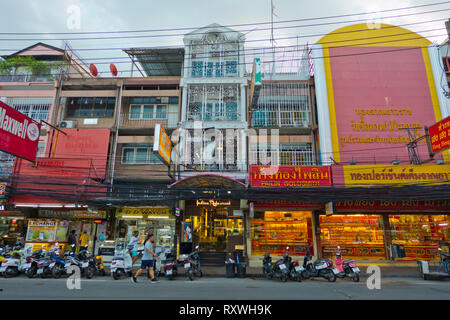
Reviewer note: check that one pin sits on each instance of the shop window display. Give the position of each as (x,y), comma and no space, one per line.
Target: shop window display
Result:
(421,235)
(359,236)
(276,230)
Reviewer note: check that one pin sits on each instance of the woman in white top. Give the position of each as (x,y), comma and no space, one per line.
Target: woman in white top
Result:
(133,246)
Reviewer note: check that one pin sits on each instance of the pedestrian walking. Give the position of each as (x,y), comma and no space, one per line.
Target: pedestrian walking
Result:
(147,259)
(133,246)
(72,238)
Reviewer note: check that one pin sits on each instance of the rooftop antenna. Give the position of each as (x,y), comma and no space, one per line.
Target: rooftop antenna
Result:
(272,39)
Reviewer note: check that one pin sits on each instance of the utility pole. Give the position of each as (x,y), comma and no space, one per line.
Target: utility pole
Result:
(447,25)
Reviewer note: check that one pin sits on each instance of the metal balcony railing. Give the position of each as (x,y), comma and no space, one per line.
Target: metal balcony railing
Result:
(280,118)
(26,78)
(283,158)
(148,120)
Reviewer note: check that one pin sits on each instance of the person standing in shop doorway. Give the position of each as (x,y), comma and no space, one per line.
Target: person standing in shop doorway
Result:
(84,239)
(133,246)
(147,259)
(72,238)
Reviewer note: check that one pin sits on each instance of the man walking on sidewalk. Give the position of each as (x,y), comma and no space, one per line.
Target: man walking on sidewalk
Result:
(147,259)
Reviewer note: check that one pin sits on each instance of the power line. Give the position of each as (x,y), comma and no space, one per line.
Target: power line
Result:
(228,26)
(180,34)
(292,59)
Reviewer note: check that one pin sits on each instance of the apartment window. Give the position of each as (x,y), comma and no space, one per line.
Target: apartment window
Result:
(295,154)
(139,154)
(231,67)
(149,108)
(36,112)
(91,107)
(197,68)
(446,62)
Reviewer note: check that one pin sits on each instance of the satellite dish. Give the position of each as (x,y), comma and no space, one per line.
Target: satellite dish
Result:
(113,69)
(93,70)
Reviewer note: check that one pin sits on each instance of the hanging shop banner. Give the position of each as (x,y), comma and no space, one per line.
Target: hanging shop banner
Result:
(162,145)
(2,190)
(72,214)
(289,176)
(186,235)
(19,134)
(393,206)
(440,135)
(378,175)
(143,212)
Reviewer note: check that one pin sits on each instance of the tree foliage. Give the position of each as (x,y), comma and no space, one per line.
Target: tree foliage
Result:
(29,64)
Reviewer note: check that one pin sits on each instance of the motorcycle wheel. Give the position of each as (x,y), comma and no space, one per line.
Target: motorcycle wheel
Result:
(200,274)
(298,278)
(90,272)
(284,277)
(331,277)
(10,272)
(190,274)
(31,272)
(305,275)
(103,272)
(56,271)
(356,277)
(117,274)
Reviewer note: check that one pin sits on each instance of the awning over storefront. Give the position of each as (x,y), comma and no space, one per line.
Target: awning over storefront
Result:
(208,180)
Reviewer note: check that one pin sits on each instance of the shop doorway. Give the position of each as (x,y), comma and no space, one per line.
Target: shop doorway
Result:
(214,228)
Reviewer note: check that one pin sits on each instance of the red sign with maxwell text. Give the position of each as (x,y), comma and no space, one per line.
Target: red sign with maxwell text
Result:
(289,176)
(440,135)
(19,134)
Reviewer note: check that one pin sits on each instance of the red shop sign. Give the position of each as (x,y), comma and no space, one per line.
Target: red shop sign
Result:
(19,134)
(289,176)
(440,135)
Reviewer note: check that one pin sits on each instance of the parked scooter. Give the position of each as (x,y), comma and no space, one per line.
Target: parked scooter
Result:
(320,268)
(170,267)
(59,261)
(31,265)
(97,263)
(13,259)
(192,264)
(87,268)
(268,266)
(121,263)
(296,271)
(345,268)
(45,264)
(280,269)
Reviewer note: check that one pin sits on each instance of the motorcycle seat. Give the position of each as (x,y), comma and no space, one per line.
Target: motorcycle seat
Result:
(118,258)
(348,261)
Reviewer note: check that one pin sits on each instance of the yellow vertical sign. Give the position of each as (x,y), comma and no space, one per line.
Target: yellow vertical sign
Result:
(162,145)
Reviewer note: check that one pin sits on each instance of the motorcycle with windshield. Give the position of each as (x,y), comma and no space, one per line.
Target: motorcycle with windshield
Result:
(320,268)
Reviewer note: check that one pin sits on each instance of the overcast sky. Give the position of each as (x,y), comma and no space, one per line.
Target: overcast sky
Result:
(118,15)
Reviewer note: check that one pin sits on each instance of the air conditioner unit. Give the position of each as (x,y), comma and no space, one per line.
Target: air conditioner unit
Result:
(66,124)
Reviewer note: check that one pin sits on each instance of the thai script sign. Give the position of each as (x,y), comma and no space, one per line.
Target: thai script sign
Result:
(393,206)
(289,176)
(369,175)
(440,135)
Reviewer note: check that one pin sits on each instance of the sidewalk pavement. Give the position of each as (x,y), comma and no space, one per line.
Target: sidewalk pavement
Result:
(388,269)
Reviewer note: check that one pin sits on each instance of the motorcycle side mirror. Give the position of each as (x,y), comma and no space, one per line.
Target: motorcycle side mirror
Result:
(196,247)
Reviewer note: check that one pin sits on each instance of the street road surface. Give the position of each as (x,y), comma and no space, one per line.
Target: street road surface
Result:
(394,288)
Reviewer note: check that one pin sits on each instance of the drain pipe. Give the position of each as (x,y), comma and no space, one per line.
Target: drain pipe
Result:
(117,137)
